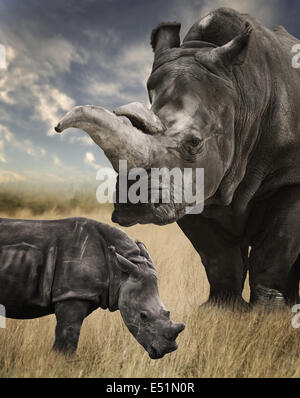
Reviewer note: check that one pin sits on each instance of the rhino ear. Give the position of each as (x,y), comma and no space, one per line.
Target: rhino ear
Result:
(143,250)
(234,52)
(165,36)
(124,265)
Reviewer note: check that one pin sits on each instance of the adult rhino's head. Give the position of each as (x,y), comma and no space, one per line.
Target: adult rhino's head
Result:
(141,308)
(190,124)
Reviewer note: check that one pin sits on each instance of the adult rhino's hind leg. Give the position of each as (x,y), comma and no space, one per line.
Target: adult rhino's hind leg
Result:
(273,270)
(69,315)
(293,284)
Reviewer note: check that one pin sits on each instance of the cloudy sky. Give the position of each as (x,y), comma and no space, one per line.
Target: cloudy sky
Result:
(62,53)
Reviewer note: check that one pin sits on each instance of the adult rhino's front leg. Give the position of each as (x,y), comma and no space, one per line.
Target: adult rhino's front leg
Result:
(274,258)
(225,263)
(69,315)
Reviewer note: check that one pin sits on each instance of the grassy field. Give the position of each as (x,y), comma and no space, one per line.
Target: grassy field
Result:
(215,343)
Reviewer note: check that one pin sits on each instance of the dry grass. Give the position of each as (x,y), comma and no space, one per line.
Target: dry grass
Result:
(215,343)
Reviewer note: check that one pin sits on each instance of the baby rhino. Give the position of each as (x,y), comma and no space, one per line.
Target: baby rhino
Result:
(71,267)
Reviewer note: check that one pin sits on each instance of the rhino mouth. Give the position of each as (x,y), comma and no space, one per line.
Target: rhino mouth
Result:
(155,353)
(159,213)
(144,213)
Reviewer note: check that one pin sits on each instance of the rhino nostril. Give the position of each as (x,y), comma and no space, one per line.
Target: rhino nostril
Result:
(171,334)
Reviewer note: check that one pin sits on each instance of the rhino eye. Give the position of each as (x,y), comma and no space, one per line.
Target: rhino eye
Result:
(192,146)
(194,142)
(143,316)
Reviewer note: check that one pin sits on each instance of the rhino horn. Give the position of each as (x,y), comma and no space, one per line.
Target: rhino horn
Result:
(173,330)
(141,117)
(116,135)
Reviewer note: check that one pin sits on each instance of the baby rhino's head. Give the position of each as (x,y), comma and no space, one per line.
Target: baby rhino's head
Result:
(141,308)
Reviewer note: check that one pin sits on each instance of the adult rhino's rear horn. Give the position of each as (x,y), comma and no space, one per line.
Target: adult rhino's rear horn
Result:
(165,36)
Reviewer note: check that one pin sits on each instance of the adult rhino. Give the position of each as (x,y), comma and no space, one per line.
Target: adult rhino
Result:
(226,99)
(73,266)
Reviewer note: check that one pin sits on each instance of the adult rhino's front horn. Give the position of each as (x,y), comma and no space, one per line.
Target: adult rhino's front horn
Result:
(116,133)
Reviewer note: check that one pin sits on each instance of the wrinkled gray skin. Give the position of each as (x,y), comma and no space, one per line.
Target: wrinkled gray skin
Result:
(225,99)
(73,266)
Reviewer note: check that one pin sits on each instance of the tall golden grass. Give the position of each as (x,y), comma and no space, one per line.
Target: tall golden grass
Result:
(215,343)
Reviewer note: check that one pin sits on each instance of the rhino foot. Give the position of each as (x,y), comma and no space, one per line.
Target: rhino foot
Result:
(232,303)
(267,298)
